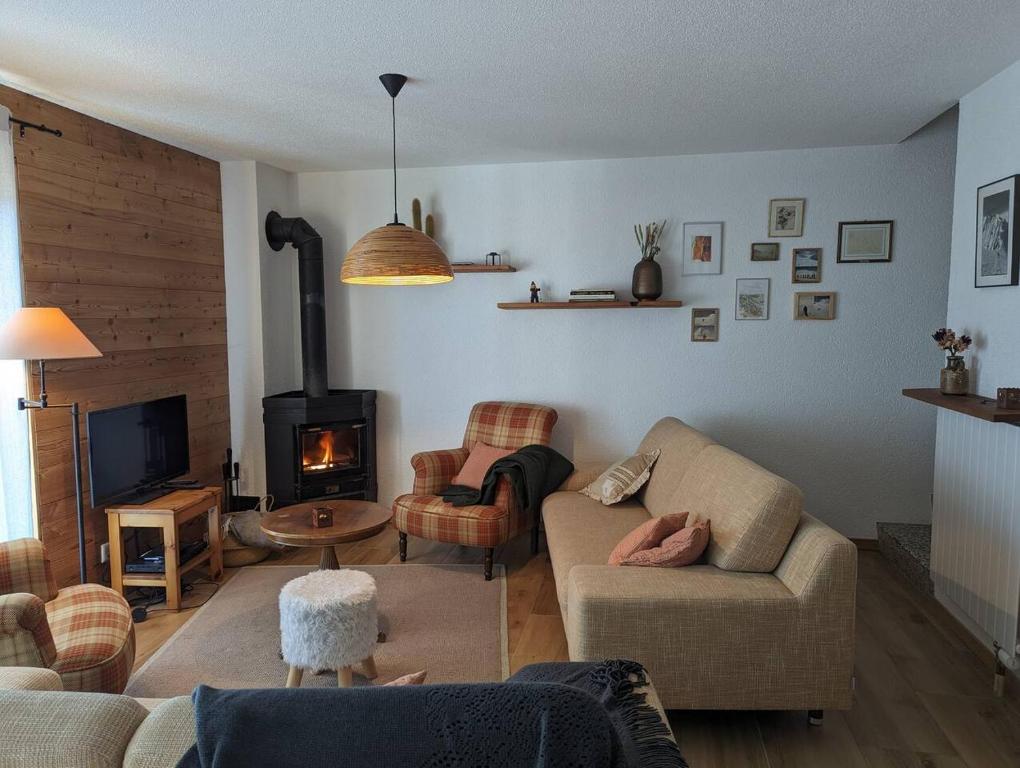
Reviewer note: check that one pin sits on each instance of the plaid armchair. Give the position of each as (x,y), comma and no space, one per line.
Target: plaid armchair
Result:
(423,512)
(83,633)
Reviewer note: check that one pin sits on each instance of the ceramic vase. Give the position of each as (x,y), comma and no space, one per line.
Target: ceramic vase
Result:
(647,282)
(954,378)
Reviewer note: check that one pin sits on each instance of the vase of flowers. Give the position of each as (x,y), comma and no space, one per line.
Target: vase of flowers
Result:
(954,378)
(647,282)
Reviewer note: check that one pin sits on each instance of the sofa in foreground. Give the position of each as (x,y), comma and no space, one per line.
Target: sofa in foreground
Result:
(45,727)
(767,622)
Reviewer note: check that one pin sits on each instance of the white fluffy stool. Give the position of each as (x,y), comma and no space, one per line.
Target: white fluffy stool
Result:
(329,620)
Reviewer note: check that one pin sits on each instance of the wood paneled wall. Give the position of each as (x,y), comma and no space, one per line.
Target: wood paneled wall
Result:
(124,233)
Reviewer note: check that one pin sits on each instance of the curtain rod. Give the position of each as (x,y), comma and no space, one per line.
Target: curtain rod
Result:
(23,124)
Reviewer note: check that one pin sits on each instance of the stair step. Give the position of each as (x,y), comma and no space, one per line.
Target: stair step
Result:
(908,547)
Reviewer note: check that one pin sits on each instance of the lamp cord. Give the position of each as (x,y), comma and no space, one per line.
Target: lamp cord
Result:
(393,104)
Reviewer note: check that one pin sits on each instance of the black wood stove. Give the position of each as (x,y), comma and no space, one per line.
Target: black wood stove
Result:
(320,442)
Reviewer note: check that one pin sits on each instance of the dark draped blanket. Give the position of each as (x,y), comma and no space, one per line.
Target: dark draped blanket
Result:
(534,472)
(545,716)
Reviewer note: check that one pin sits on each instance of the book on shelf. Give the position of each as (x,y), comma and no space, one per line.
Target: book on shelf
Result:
(592,299)
(593,292)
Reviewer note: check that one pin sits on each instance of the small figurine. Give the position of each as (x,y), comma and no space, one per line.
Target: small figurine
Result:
(534,293)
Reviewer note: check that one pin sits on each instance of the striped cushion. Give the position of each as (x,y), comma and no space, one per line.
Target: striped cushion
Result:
(24,568)
(509,425)
(90,624)
(622,480)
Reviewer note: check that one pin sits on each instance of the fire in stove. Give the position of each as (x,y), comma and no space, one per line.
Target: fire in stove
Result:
(328,449)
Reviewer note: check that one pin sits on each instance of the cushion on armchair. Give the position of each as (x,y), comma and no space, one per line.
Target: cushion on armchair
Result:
(482,456)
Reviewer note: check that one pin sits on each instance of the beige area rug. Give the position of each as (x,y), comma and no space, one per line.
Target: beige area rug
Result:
(443,618)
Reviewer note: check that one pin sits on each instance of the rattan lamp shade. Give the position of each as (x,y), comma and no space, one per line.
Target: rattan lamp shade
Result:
(396,255)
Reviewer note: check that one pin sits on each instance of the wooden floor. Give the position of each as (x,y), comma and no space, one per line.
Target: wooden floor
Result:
(923,698)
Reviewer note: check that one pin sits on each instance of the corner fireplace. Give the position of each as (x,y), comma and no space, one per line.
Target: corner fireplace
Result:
(320,442)
(320,447)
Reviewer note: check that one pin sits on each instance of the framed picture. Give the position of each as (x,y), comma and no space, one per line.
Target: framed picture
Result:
(814,306)
(705,324)
(752,299)
(786,217)
(863,242)
(764,251)
(702,248)
(997,252)
(807,265)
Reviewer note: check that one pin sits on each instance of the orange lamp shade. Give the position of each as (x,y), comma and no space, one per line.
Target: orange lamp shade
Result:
(43,333)
(396,254)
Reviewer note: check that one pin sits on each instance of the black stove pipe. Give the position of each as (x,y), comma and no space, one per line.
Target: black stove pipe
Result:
(302,235)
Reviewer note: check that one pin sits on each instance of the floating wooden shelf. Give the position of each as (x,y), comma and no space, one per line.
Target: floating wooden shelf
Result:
(467,268)
(972,405)
(659,304)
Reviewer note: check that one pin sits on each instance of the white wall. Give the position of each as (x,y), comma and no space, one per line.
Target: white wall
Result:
(818,402)
(976,521)
(261,287)
(277,191)
(988,149)
(245,364)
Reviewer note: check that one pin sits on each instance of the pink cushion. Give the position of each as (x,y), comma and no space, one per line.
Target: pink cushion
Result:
(415,678)
(650,533)
(482,457)
(682,548)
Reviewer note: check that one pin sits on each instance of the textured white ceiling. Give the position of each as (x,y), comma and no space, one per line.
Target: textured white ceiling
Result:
(294,83)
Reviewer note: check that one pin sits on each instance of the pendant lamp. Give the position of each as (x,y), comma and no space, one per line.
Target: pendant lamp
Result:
(395,254)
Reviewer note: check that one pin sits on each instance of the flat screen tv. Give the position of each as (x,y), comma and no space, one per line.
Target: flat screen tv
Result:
(134,448)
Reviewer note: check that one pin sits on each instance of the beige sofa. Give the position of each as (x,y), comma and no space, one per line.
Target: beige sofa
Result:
(44,727)
(766,623)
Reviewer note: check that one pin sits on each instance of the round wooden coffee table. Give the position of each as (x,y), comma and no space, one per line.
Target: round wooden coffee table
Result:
(352,521)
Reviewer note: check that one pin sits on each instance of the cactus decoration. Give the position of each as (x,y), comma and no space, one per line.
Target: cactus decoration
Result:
(416,213)
(430,222)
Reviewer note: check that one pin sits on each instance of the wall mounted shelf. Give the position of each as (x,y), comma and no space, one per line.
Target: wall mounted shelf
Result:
(469,268)
(972,405)
(659,304)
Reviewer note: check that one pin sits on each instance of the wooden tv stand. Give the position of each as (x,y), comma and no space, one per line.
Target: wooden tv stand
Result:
(167,513)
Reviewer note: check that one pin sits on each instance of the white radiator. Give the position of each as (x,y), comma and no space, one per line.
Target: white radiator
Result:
(975,557)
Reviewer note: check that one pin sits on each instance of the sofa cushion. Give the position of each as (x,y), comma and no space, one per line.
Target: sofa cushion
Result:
(676,551)
(167,733)
(753,512)
(582,531)
(679,445)
(58,729)
(622,479)
(651,533)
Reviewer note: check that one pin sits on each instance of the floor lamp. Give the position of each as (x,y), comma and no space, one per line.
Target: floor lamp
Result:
(41,334)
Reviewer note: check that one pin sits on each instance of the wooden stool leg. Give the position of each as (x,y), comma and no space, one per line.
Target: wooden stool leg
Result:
(327,560)
(345,678)
(370,671)
(294,677)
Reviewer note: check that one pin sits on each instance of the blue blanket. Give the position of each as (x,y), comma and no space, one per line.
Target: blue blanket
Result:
(594,718)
